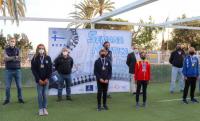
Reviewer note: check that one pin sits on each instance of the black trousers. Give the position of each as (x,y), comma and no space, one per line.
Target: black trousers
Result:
(190,82)
(142,84)
(102,90)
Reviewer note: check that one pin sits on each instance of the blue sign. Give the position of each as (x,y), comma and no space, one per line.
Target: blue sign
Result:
(89,88)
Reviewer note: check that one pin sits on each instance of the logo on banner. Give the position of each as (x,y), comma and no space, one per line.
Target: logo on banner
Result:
(55,37)
(89,88)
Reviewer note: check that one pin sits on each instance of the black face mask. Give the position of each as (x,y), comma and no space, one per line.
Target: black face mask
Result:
(143,58)
(191,53)
(103,55)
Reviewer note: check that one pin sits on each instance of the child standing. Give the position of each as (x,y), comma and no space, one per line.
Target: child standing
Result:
(142,77)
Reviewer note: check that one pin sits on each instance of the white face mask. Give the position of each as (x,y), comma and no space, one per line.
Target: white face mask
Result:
(12,44)
(65,53)
(41,51)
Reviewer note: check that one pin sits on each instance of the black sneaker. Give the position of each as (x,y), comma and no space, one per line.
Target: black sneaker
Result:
(194,100)
(99,108)
(109,96)
(21,101)
(105,107)
(6,102)
(137,106)
(185,101)
(144,105)
(69,98)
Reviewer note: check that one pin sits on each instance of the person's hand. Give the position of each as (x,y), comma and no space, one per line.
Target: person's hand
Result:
(135,81)
(185,78)
(46,81)
(41,82)
(17,58)
(106,81)
(101,80)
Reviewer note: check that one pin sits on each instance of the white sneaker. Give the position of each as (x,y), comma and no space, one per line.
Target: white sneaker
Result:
(45,111)
(41,112)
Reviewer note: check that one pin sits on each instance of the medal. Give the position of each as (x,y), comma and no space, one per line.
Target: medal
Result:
(193,65)
(42,66)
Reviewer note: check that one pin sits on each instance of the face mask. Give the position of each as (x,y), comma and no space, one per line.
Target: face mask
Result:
(65,53)
(41,51)
(191,53)
(12,44)
(103,55)
(143,58)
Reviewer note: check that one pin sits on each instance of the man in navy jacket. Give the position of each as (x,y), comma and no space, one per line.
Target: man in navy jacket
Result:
(103,72)
(191,74)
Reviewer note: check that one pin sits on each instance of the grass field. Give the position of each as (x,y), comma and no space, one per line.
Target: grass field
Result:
(122,107)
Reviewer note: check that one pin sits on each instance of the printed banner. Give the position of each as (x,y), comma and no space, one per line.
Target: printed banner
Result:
(85,45)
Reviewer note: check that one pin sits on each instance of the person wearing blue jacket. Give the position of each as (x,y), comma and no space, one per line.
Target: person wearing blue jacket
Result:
(191,74)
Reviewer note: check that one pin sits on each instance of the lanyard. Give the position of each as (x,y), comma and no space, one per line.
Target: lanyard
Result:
(193,60)
(144,66)
(42,60)
(103,61)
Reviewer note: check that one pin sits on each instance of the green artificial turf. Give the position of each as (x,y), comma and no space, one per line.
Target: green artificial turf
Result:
(122,107)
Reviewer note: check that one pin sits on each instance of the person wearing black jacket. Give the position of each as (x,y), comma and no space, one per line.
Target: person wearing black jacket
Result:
(106,46)
(176,60)
(41,67)
(131,61)
(63,65)
(103,72)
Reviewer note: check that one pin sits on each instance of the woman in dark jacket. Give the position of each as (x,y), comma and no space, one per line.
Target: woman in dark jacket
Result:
(41,67)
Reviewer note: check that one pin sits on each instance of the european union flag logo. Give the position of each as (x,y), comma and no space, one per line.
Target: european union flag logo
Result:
(89,88)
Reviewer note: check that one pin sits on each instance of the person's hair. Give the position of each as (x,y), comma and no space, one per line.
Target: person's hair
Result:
(37,50)
(106,43)
(191,49)
(12,38)
(143,51)
(64,49)
(102,50)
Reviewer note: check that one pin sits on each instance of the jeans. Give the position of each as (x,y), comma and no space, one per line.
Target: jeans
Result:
(67,79)
(9,74)
(132,83)
(42,96)
(176,75)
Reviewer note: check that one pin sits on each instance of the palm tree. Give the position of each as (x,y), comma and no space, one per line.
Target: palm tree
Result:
(85,12)
(15,8)
(103,5)
(90,8)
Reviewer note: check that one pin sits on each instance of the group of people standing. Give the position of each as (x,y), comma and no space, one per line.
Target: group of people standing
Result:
(42,67)
(185,69)
(187,66)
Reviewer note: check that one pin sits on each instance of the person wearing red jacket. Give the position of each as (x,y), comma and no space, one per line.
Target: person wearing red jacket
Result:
(142,77)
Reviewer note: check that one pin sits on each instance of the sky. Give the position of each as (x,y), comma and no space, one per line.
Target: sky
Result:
(38,31)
